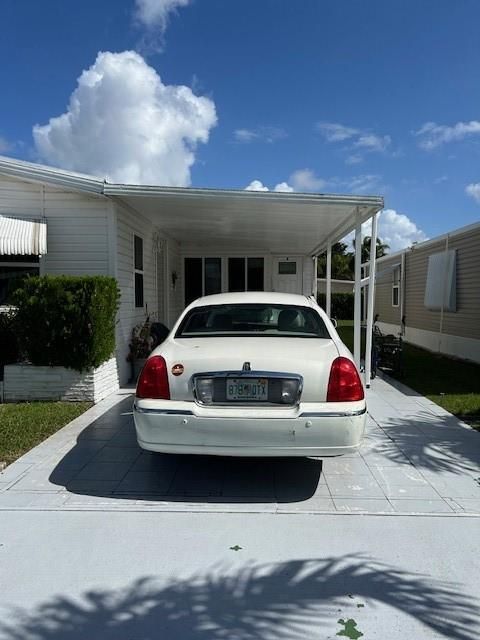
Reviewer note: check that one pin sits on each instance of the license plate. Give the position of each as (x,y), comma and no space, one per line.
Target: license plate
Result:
(253,389)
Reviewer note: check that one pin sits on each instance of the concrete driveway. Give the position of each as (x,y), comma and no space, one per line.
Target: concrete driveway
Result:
(416,458)
(99,540)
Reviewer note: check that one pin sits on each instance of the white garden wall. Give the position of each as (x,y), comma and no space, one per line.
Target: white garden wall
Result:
(26,382)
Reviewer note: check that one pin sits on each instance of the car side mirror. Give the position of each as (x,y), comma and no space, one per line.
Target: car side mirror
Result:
(334,322)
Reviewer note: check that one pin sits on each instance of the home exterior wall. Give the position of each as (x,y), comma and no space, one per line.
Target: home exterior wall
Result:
(308,275)
(128,224)
(80,231)
(453,333)
(175,290)
(178,252)
(383,292)
(77,225)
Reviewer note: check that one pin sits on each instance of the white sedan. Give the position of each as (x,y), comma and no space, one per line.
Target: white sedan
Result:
(251,374)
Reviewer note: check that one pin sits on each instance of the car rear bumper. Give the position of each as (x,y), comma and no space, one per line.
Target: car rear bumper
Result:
(315,430)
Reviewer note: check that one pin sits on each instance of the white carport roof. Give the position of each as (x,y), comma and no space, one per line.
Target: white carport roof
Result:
(284,223)
(275,222)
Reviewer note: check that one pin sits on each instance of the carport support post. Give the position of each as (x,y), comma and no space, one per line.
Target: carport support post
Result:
(371,301)
(328,287)
(358,293)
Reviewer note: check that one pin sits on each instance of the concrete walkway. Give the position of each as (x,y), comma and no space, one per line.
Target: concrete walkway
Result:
(100,541)
(416,458)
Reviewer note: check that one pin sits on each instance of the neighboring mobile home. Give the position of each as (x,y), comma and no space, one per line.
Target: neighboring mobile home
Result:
(166,246)
(431,293)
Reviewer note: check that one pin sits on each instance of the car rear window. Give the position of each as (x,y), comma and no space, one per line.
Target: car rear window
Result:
(252,320)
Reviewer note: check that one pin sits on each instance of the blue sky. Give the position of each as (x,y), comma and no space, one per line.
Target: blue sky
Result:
(344,96)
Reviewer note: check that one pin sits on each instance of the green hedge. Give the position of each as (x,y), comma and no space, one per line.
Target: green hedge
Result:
(67,321)
(9,352)
(342,305)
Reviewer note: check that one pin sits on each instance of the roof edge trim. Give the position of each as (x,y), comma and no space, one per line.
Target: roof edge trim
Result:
(41,173)
(140,190)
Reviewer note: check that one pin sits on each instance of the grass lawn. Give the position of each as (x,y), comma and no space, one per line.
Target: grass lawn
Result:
(453,384)
(22,426)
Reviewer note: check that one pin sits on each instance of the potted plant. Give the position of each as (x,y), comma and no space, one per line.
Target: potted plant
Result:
(140,346)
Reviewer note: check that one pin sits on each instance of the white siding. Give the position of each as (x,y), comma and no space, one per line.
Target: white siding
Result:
(20,198)
(77,225)
(130,223)
(175,293)
(308,276)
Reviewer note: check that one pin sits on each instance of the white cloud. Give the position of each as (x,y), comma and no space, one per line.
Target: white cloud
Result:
(245,135)
(306,180)
(473,190)
(335,132)
(364,183)
(354,158)
(432,135)
(260,134)
(359,140)
(394,229)
(283,187)
(372,142)
(155,13)
(398,231)
(123,123)
(257,185)
(5,145)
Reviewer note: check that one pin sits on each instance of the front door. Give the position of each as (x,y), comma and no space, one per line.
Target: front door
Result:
(287,275)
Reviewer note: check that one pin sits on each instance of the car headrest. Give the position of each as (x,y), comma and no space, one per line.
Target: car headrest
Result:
(288,320)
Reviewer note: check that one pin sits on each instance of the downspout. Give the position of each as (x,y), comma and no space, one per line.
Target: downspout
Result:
(370,301)
(328,287)
(315,280)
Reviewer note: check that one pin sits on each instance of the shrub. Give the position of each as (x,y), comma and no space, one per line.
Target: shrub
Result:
(342,305)
(67,321)
(9,351)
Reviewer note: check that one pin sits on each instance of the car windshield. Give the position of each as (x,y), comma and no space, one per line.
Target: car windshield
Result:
(252,320)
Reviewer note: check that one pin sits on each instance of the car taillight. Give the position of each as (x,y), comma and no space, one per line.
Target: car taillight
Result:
(344,384)
(153,380)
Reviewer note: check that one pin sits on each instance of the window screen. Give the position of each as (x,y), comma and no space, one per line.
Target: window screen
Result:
(138,242)
(255,274)
(213,276)
(396,287)
(193,279)
(441,289)
(287,268)
(236,274)
(138,270)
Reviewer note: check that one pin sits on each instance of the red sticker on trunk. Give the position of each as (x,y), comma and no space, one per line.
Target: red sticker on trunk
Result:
(178,369)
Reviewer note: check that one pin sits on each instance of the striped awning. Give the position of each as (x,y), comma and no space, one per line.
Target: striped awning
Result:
(22,236)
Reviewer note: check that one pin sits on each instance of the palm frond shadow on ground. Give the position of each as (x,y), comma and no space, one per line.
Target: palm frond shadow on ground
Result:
(430,443)
(295,600)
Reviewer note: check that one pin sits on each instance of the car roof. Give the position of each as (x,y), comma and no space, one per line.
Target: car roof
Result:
(245,297)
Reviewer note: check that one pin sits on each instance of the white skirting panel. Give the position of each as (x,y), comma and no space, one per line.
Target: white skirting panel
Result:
(457,346)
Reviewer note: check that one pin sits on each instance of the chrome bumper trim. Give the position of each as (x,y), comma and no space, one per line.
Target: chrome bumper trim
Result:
(333,414)
(164,412)
(313,414)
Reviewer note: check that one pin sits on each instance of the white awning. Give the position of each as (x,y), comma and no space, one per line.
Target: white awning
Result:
(22,236)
